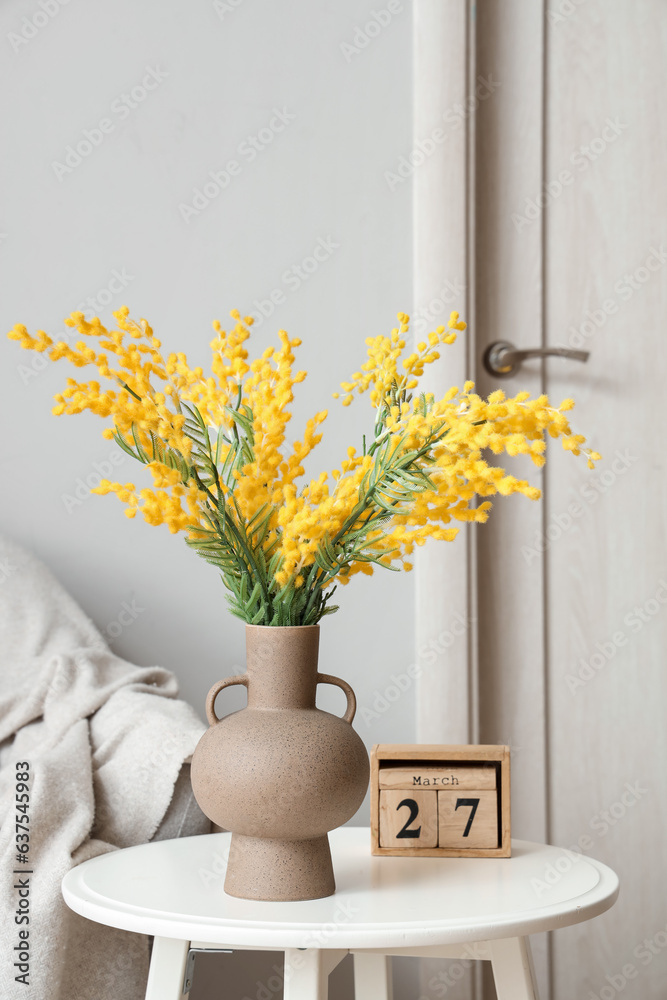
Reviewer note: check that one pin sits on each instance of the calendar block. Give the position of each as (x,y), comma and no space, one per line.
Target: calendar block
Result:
(408,818)
(460,777)
(440,801)
(468,819)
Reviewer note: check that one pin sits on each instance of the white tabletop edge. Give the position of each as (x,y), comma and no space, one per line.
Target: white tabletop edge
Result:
(233,934)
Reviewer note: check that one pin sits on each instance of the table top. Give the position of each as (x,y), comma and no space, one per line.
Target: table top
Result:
(174,889)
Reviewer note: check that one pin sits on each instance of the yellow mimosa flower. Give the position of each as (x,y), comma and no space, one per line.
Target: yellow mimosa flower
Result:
(215,449)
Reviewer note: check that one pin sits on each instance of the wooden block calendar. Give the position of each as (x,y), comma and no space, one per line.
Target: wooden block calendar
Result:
(440,801)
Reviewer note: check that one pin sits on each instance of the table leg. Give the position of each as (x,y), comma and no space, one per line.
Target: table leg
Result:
(165,976)
(372,977)
(307,972)
(513,969)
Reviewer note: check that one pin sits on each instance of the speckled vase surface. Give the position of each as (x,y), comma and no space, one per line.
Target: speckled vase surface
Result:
(280,773)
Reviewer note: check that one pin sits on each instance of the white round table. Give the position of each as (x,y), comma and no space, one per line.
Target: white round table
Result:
(437,907)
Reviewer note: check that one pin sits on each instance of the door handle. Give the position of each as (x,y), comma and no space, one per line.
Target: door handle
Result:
(504,359)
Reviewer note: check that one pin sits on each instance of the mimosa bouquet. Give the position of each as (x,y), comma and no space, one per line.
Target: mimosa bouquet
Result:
(221,472)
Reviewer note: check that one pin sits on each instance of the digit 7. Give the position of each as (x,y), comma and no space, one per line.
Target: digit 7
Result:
(473,803)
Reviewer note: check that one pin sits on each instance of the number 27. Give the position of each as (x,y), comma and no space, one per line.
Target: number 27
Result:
(406,833)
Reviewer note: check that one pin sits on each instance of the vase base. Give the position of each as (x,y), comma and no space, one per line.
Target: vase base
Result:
(279,870)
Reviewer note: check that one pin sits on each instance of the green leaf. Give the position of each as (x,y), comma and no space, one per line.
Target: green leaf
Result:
(330,610)
(143,457)
(258,616)
(241,419)
(220,441)
(123,444)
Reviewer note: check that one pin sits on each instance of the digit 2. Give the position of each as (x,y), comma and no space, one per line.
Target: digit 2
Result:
(473,803)
(404,833)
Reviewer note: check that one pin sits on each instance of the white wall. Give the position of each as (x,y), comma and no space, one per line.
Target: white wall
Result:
(224,72)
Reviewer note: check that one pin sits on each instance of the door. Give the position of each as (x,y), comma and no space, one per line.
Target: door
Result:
(547,201)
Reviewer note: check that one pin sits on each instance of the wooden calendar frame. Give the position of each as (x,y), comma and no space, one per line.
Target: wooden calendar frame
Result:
(392,754)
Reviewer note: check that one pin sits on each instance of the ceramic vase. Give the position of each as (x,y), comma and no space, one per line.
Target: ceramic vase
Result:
(280,773)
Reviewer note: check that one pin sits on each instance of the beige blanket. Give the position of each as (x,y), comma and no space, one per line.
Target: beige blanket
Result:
(105,742)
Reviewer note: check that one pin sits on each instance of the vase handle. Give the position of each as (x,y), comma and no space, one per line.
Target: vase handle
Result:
(215,691)
(351,699)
